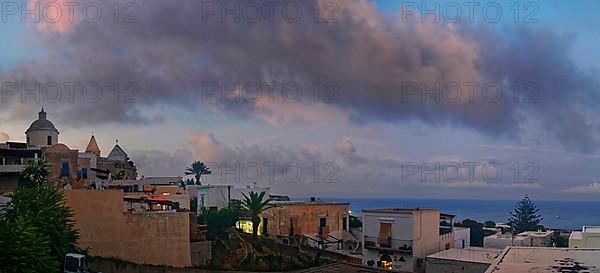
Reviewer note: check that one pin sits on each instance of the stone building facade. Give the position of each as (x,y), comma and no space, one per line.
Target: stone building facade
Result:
(70,168)
(290,218)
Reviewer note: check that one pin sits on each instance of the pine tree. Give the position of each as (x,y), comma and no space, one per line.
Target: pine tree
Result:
(524,217)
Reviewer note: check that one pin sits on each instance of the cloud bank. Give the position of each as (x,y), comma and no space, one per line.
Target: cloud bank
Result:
(374,61)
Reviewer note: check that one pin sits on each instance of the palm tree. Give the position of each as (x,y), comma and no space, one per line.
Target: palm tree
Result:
(255,204)
(197,169)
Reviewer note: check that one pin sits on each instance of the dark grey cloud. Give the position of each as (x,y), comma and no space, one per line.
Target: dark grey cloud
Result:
(170,53)
(564,92)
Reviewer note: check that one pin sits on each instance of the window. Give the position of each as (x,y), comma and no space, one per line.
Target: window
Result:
(49,140)
(265,225)
(294,228)
(65,171)
(323,225)
(344,223)
(322,222)
(385,234)
(84,173)
(28,140)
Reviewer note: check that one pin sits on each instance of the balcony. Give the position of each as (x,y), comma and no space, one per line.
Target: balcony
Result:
(390,244)
(11,168)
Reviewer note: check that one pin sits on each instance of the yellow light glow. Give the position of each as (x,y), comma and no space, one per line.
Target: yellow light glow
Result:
(246,226)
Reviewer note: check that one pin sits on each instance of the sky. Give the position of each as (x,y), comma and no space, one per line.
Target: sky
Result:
(353,98)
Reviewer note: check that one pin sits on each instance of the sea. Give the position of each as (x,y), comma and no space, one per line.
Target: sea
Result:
(556,214)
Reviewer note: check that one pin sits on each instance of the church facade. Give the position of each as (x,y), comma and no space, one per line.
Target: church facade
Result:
(70,168)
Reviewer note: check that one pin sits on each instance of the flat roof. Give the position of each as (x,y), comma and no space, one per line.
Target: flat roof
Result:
(535,233)
(293,203)
(507,236)
(24,153)
(520,236)
(406,210)
(233,187)
(398,210)
(576,235)
(343,267)
(472,254)
(591,229)
(545,259)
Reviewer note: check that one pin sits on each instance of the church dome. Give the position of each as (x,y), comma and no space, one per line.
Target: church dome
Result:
(42,123)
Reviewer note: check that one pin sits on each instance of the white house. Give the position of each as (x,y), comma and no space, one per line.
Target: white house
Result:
(462,237)
(527,238)
(399,239)
(219,196)
(588,237)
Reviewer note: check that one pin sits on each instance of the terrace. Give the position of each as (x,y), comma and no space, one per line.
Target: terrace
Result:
(405,246)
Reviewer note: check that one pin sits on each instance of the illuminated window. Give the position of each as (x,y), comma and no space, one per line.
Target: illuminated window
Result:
(385,262)
(245,226)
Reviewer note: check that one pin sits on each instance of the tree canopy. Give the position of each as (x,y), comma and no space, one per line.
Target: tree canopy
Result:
(255,203)
(525,217)
(36,229)
(197,169)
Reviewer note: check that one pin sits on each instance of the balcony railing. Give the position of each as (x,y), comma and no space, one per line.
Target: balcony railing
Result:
(388,244)
(11,168)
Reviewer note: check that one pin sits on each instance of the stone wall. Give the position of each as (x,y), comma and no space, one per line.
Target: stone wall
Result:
(201,253)
(145,238)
